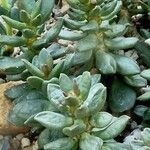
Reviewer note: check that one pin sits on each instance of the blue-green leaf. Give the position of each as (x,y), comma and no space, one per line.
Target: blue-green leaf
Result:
(122,97)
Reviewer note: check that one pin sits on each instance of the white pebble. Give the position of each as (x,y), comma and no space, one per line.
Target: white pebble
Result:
(25,142)
(19,136)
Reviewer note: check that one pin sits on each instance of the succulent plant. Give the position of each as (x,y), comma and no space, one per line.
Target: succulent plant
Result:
(71,113)
(32,17)
(78,121)
(27,31)
(98,36)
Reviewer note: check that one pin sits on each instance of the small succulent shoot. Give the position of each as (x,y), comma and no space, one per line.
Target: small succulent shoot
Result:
(78,117)
(30,24)
(146,96)
(143,112)
(42,66)
(143,142)
(99,37)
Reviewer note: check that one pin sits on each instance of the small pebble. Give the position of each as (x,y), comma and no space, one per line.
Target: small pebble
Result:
(129,53)
(64,42)
(135,55)
(19,136)
(121,52)
(132,54)
(25,142)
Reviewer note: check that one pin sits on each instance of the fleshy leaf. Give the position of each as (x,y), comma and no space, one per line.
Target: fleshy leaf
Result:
(65,83)
(16,91)
(33,69)
(24,16)
(76,129)
(61,144)
(88,142)
(52,120)
(54,31)
(143,51)
(14,41)
(26,5)
(135,81)
(47,136)
(146,74)
(140,110)
(88,43)
(24,109)
(146,136)
(122,97)
(90,27)
(115,146)
(114,12)
(126,65)
(82,57)
(46,9)
(101,119)
(105,63)
(84,85)
(114,129)
(11,66)
(94,102)
(35,82)
(120,43)
(70,35)
(55,95)
(116,30)
(144,97)
(13,23)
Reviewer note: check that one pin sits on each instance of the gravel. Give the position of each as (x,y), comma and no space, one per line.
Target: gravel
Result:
(18,142)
